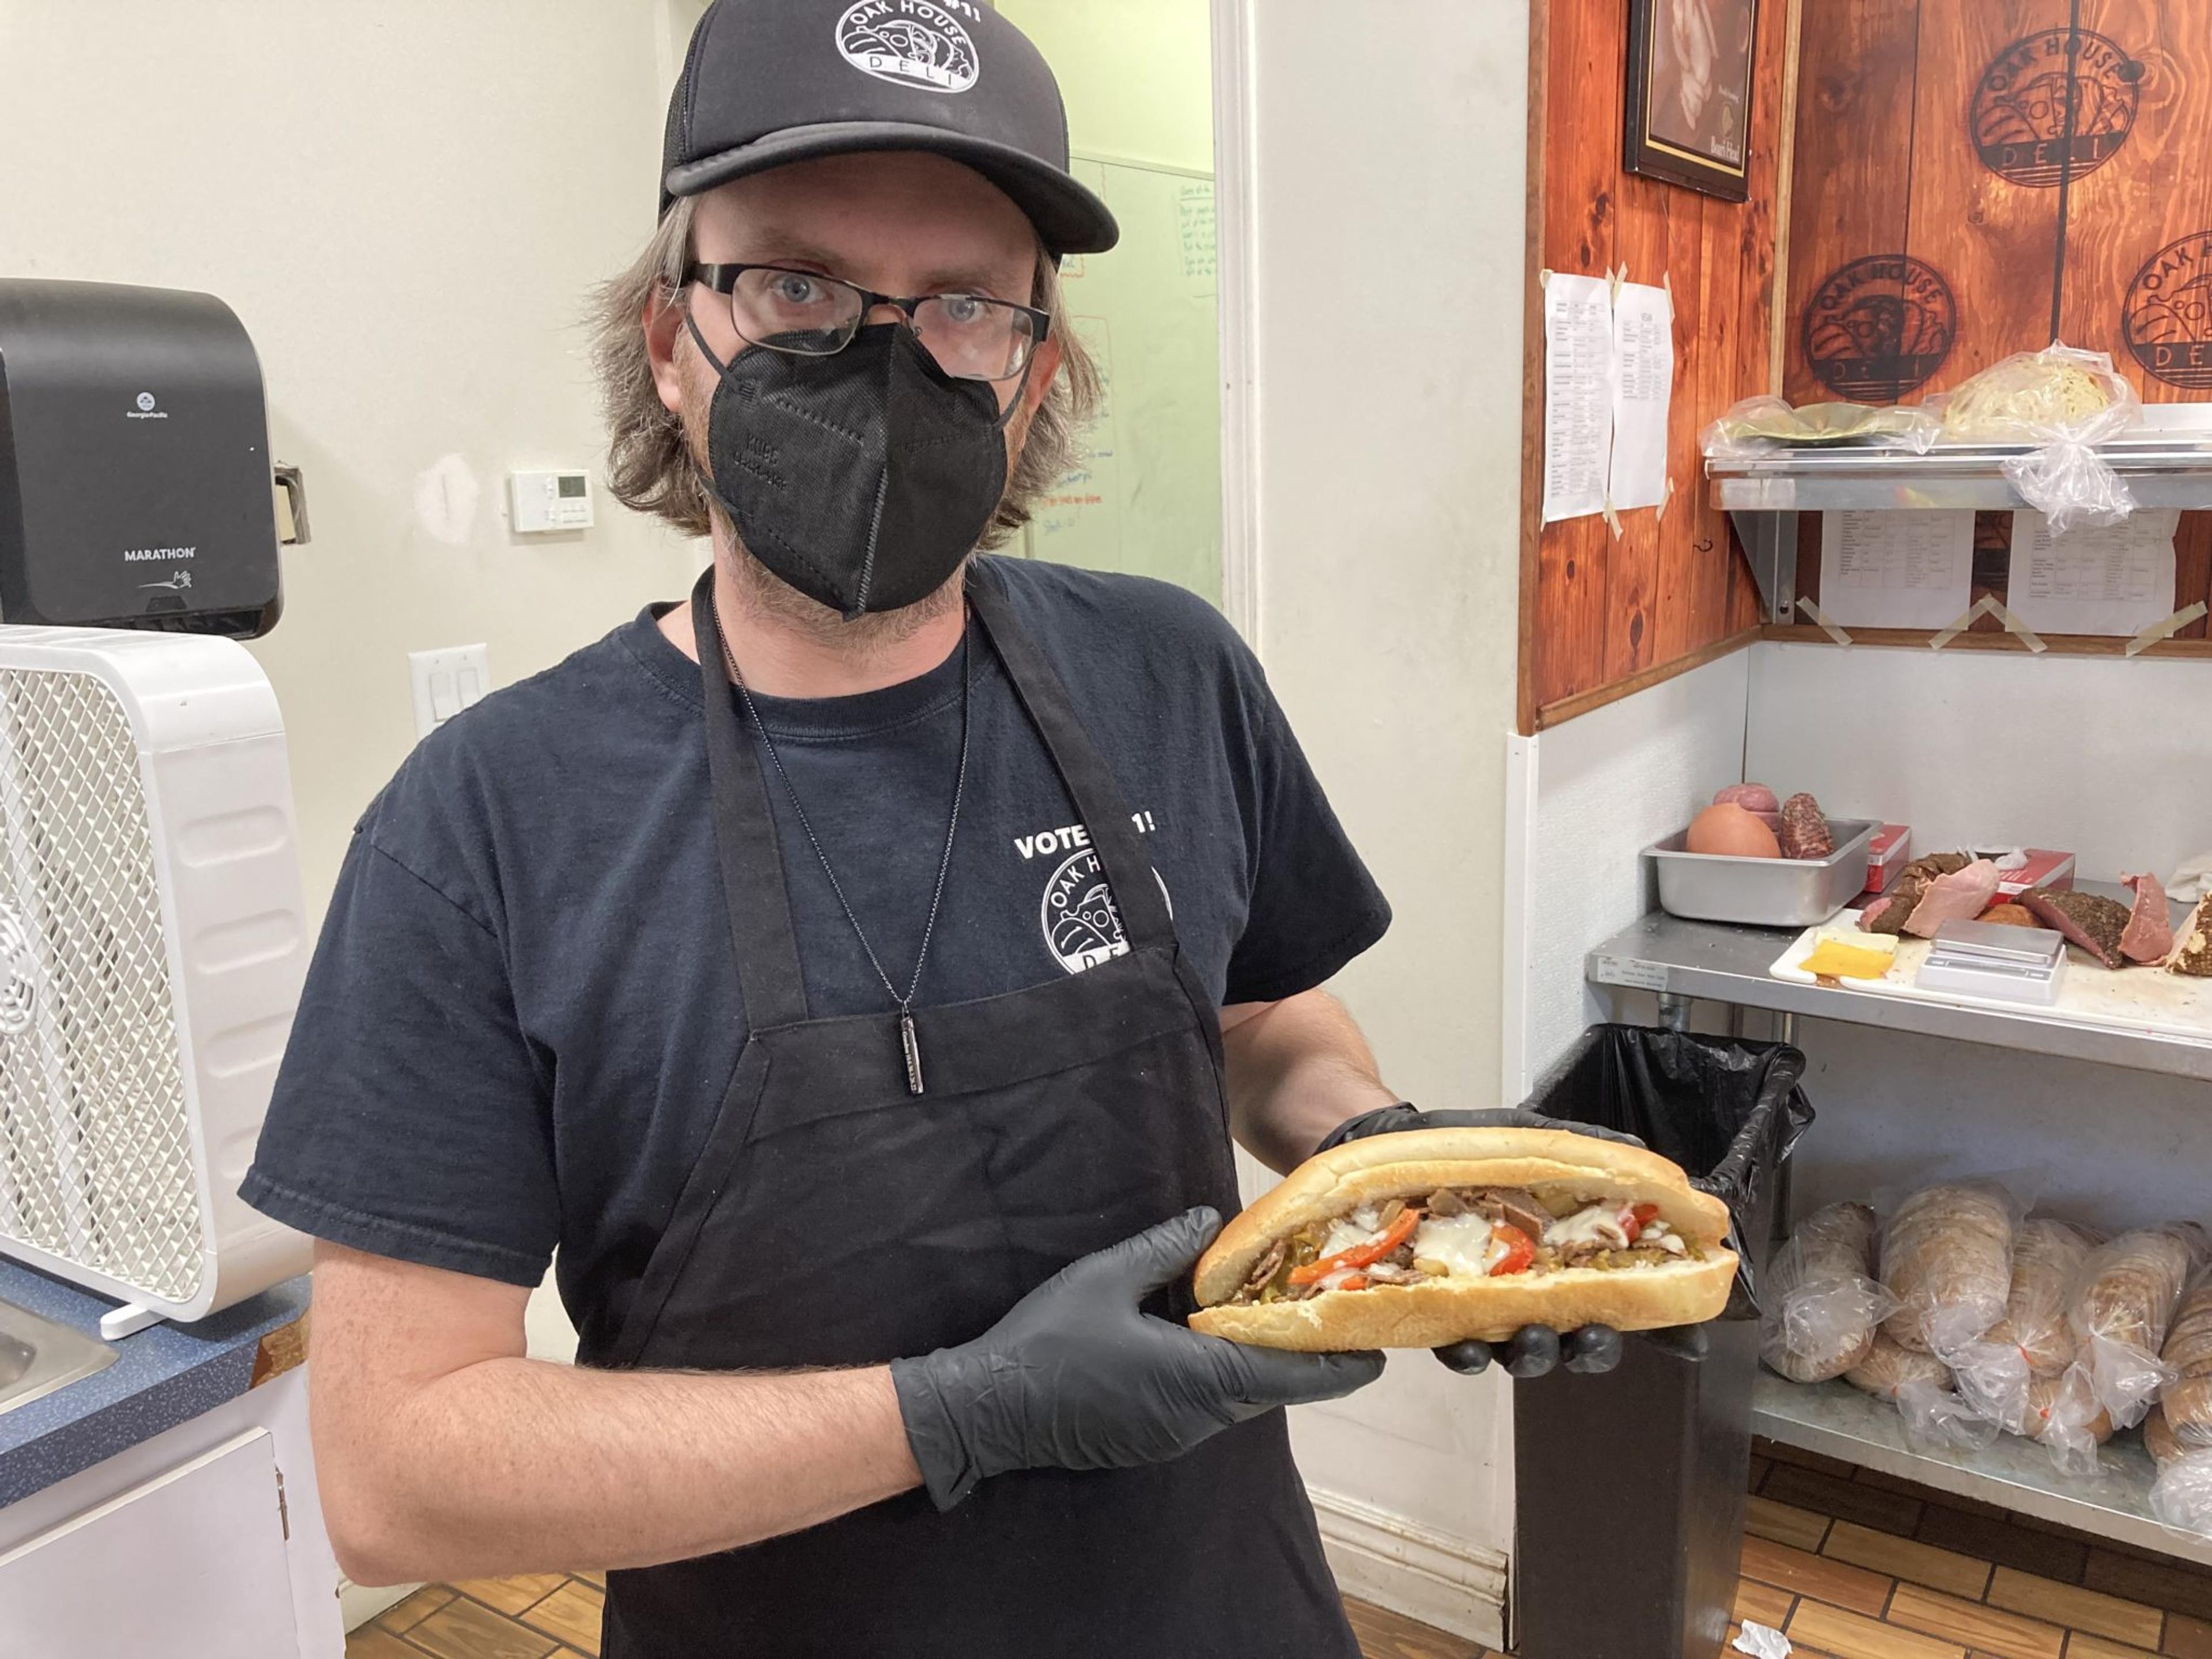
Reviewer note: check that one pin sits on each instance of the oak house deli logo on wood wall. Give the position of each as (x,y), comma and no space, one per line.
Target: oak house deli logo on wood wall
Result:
(2020,115)
(1879,327)
(911,43)
(2166,317)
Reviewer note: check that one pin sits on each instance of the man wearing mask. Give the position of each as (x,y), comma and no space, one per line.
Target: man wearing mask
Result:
(858,971)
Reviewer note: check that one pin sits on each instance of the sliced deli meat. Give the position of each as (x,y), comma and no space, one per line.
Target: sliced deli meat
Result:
(2095,924)
(2148,936)
(1961,895)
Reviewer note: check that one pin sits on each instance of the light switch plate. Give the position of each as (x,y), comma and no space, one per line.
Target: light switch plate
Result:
(447,682)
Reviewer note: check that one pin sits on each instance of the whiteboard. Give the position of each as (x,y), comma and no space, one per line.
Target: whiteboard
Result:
(1146,497)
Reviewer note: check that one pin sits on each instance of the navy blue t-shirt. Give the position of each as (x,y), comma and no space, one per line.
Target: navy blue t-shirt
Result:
(524,1010)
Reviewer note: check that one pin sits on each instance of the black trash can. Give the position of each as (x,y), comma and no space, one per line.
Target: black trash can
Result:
(1630,1487)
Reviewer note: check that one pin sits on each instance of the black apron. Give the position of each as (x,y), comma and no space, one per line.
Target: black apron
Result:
(1058,1120)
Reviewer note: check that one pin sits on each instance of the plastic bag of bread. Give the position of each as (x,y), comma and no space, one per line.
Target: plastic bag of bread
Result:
(1761,425)
(2063,1415)
(2034,1338)
(2182,1495)
(2126,1295)
(2185,1409)
(1947,1257)
(1822,1302)
(1919,1385)
(2065,403)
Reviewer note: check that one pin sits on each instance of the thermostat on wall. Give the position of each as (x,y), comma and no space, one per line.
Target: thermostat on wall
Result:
(551,501)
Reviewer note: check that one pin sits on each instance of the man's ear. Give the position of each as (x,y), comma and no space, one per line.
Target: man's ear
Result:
(663,322)
(1044,364)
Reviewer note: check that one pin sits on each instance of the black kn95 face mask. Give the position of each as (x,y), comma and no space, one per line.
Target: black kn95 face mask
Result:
(862,478)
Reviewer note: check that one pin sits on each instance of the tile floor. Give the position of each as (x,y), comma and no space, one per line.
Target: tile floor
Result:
(1852,1564)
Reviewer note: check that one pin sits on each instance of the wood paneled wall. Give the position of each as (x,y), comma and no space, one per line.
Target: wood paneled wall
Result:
(2044,165)
(1601,614)
(1975,177)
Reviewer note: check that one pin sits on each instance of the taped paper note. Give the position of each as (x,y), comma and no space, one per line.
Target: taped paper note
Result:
(1896,568)
(2116,578)
(1578,395)
(1643,389)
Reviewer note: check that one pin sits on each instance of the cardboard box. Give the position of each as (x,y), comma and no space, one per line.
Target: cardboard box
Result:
(1888,854)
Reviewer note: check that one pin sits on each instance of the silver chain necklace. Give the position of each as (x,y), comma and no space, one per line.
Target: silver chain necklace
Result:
(907,1042)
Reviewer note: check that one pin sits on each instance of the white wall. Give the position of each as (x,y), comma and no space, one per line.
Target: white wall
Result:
(1384,500)
(1589,796)
(406,202)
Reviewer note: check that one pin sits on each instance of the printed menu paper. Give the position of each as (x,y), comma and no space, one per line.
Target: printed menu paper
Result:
(2093,580)
(1642,387)
(1578,395)
(1910,569)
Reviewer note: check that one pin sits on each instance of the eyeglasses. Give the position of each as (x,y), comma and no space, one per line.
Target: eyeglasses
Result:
(810,315)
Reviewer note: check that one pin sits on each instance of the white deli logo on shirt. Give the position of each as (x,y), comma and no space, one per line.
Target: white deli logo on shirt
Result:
(911,43)
(1082,928)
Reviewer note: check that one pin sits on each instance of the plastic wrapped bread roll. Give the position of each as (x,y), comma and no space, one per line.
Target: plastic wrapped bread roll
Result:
(2184,1411)
(2046,1258)
(2127,1294)
(2034,1338)
(1823,1305)
(1889,1366)
(1947,1257)
(2158,1436)
(2063,1413)
(2182,1495)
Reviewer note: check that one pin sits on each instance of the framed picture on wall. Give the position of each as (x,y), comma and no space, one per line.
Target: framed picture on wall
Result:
(1689,93)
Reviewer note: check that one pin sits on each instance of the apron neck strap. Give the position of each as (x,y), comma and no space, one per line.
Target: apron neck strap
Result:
(760,928)
(1137,897)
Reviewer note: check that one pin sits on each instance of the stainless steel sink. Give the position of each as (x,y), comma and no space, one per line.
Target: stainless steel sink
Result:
(37,1356)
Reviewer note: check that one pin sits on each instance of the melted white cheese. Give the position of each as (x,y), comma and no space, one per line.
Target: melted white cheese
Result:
(1349,1232)
(1462,1242)
(1598,1224)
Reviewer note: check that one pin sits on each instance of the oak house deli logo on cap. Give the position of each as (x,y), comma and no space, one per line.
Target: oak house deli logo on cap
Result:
(1878,327)
(2166,317)
(2021,118)
(911,43)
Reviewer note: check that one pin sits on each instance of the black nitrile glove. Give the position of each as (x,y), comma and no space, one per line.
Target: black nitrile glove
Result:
(1076,1377)
(1534,1349)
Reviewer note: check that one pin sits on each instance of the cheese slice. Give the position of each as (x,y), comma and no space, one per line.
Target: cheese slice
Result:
(1850,956)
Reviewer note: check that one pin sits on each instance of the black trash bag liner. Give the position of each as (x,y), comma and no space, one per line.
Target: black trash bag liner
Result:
(1727,1111)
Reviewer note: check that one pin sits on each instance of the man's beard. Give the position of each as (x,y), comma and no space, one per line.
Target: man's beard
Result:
(763,594)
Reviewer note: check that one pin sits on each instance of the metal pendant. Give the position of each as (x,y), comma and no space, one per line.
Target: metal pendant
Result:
(913,1046)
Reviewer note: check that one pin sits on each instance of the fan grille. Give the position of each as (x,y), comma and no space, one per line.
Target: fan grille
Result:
(96,1149)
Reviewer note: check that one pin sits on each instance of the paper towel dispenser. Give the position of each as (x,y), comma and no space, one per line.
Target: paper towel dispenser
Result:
(135,485)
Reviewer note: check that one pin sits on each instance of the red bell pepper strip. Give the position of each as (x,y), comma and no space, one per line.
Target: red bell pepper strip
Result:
(1520,1249)
(1357,1282)
(1361,1256)
(1640,1216)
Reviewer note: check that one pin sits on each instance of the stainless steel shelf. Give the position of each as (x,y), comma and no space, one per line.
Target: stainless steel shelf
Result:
(2015,1474)
(1681,958)
(2162,473)
(1764,495)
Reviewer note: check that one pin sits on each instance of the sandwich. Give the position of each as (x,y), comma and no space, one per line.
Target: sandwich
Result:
(1434,1235)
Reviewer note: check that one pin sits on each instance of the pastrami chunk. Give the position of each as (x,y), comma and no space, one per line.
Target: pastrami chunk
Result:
(1888,914)
(2193,955)
(2148,936)
(1960,895)
(2095,924)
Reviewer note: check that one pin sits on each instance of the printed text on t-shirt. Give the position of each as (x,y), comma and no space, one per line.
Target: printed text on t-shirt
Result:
(1069,836)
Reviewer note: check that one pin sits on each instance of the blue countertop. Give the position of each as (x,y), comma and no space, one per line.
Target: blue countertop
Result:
(165,1375)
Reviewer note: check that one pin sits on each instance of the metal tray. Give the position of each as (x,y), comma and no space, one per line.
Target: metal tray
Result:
(1764,892)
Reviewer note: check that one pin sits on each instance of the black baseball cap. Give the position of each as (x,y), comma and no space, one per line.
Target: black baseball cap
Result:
(771,81)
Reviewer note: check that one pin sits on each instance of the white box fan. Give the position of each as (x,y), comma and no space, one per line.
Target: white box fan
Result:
(153,941)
